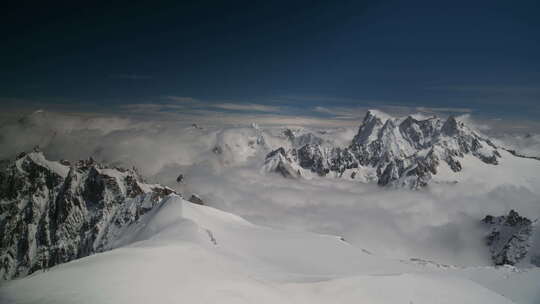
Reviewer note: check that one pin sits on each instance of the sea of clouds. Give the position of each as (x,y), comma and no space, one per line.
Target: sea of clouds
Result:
(440,223)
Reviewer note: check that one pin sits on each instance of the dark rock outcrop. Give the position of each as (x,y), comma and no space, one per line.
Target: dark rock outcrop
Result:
(194,198)
(55,212)
(509,238)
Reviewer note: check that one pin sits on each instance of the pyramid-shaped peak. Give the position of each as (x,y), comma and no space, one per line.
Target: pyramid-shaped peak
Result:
(376,114)
(451,126)
(373,122)
(389,124)
(409,120)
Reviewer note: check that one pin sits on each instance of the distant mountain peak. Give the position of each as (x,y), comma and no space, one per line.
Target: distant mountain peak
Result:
(373,114)
(403,151)
(451,126)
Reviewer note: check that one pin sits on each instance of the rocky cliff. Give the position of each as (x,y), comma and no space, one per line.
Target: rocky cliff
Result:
(510,239)
(55,212)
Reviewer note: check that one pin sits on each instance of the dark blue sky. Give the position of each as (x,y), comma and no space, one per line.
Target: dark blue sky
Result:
(483,55)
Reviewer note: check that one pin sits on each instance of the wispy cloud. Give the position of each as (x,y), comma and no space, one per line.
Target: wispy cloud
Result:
(435,110)
(491,88)
(342,112)
(185,99)
(248,107)
(230,106)
(316,98)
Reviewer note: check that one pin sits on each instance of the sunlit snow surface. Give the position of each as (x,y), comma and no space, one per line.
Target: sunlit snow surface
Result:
(187,253)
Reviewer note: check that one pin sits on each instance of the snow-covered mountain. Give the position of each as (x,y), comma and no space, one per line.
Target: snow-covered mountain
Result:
(407,151)
(197,254)
(55,212)
(165,248)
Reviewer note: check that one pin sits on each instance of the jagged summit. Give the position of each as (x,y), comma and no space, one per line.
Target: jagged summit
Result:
(451,127)
(510,239)
(373,122)
(404,151)
(54,212)
(377,114)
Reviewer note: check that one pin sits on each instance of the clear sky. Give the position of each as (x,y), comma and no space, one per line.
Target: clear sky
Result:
(480,55)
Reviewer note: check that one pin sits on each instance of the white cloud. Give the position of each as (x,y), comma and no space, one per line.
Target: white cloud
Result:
(491,88)
(234,106)
(247,107)
(439,223)
(182,99)
(435,110)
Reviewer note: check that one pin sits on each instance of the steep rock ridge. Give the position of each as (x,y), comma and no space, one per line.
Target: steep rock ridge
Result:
(55,212)
(509,239)
(278,161)
(390,151)
(299,139)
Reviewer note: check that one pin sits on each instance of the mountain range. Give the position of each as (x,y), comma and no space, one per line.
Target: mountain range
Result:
(65,219)
(404,152)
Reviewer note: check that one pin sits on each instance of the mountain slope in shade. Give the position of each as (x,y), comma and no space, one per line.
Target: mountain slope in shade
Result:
(191,253)
(54,212)
(407,151)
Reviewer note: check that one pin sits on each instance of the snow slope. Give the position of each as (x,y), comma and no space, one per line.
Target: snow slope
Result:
(511,170)
(188,253)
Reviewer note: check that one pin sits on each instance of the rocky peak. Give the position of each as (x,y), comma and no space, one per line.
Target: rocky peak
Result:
(392,151)
(279,151)
(410,123)
(451,126)
(282,162)
(299,139)
(377,115)
(419,133)
(388,127)
(373,121)
(509,238)
(52,213)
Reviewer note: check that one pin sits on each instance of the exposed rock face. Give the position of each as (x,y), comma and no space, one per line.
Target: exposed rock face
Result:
(194,198)
(278,161)
(299,140)
(509,238)
(55,212)
(390,151)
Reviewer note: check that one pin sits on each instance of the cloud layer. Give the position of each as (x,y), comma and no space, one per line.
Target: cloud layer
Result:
(440,223)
